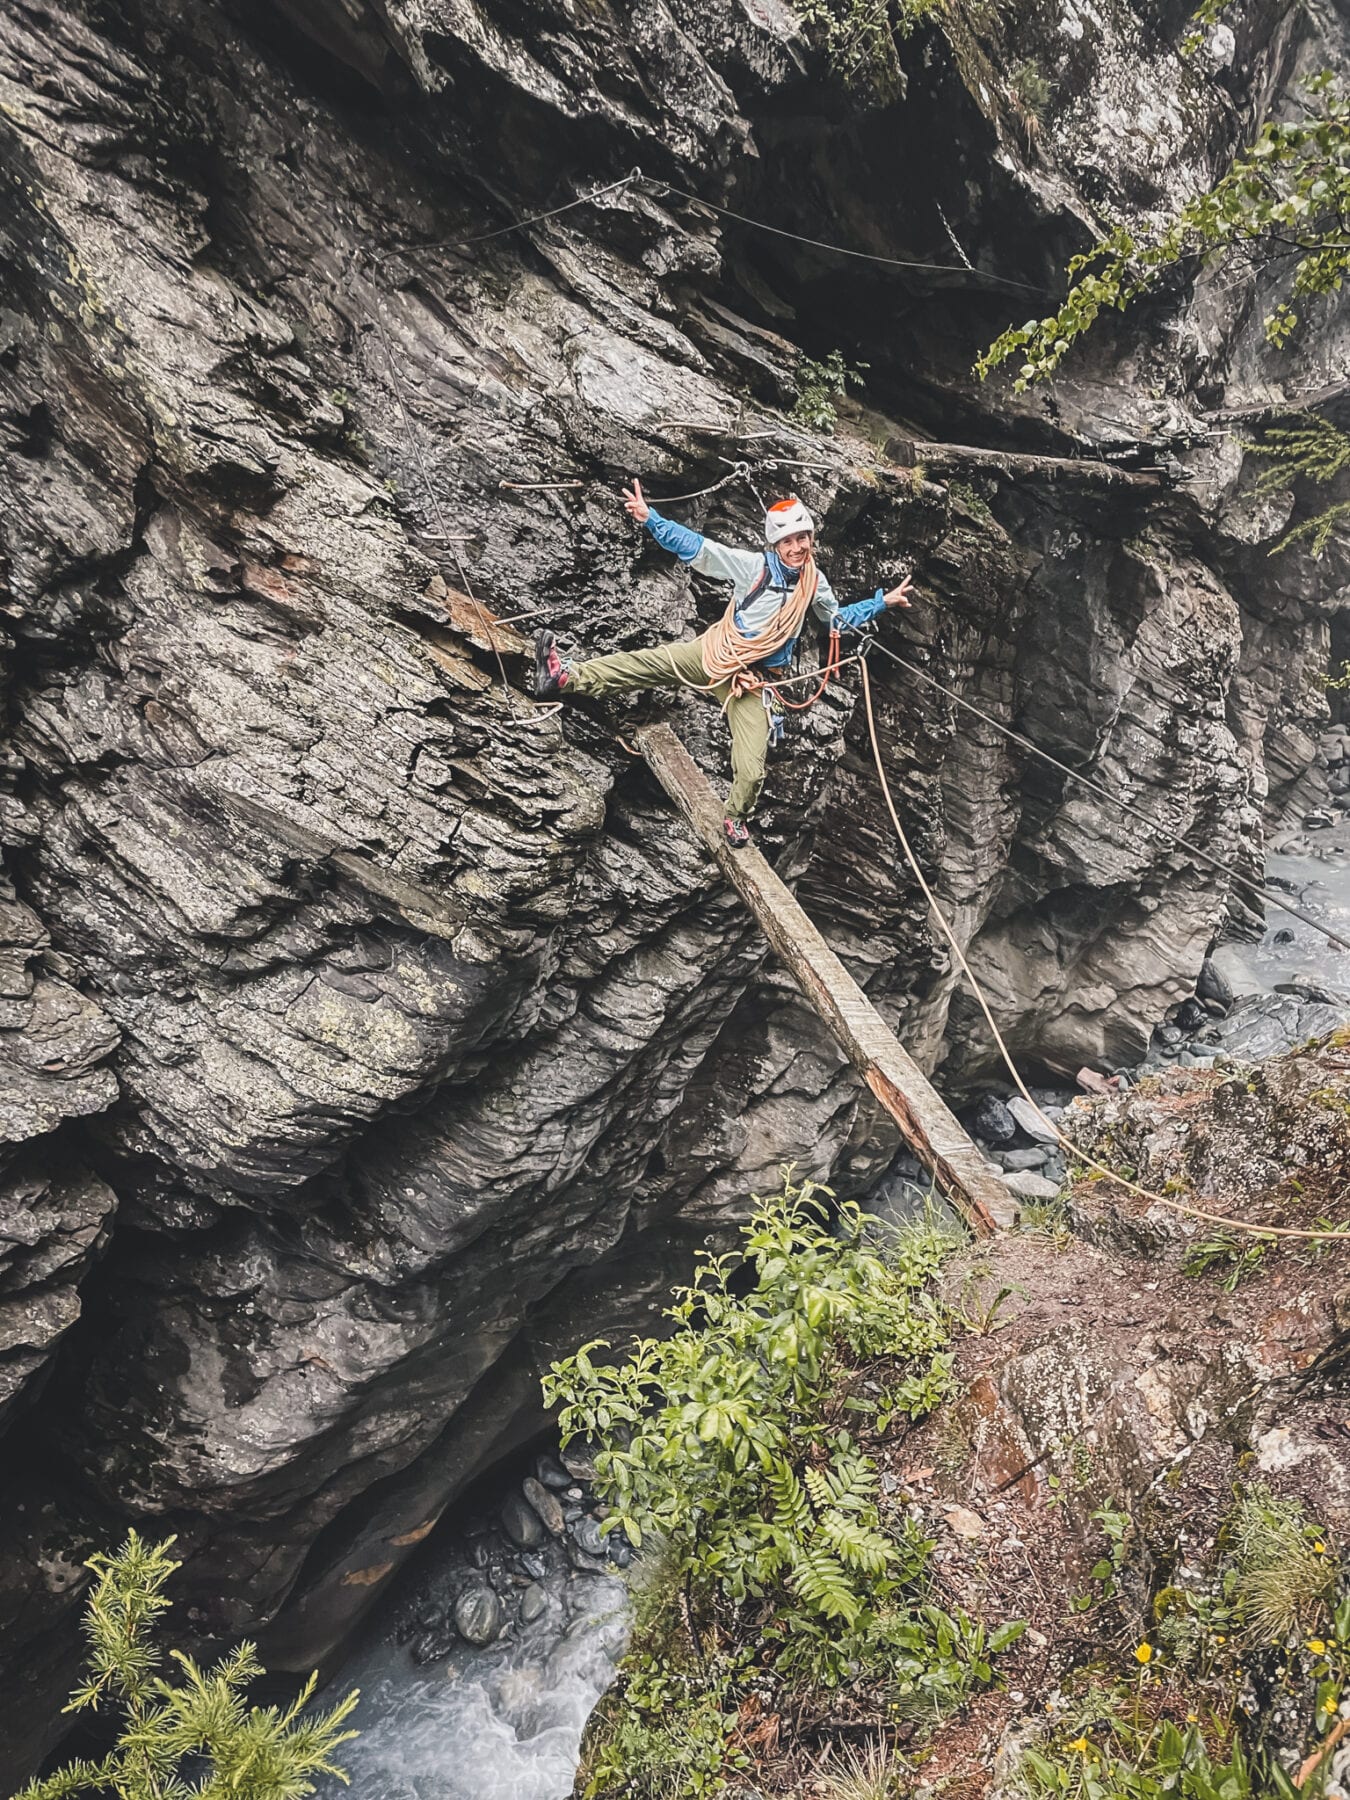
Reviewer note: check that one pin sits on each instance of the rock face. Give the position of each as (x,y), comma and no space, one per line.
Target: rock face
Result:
(383,1008)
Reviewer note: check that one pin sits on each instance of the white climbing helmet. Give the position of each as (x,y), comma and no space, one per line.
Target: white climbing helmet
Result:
(786,517)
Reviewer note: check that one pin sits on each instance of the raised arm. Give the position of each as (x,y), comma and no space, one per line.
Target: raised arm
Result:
(707,556)
(859,612)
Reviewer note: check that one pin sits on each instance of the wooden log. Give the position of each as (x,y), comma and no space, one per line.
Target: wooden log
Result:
(949,459)
(926,1122)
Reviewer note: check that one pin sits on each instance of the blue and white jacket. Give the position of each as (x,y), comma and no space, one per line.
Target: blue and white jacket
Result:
(745,570)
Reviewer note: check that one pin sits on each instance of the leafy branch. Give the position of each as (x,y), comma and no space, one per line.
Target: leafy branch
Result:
(1286,198)
(199,1720)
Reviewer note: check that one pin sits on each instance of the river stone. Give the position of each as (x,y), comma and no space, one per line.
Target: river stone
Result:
(1030,1121)
(1214,985)
(479,1615)
(552,1474)
(534,1564)
(1013,1160)
(546,1506)
(588,1537)
(1191,1015)
(521,1522)
(1027,1185)
(533,1603)
(991,1121)
(579,1462)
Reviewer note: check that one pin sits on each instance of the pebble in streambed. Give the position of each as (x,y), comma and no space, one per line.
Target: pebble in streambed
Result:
(478,1676)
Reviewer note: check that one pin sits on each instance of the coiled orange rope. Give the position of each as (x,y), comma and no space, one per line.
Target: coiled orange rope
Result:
(729,655)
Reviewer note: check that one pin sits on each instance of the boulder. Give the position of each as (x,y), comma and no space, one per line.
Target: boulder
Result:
(1032,1158)
(551,1472)
(991,1121)
(545,1505)
(521,1522)
(1027,1185)
(479,1615)
(1029,1120)
(588,1537)
(1213,985)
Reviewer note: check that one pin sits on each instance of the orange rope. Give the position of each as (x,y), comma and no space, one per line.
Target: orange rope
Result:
(1075,1150)
(828,674)
(729,655)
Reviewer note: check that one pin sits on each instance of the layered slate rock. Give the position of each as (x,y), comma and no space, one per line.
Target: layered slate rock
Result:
(387,1009)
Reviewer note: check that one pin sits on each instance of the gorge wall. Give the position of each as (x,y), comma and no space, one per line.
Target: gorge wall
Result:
(355,1021)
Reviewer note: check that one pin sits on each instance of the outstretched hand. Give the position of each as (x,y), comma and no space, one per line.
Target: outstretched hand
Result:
(899,596)
(634,505)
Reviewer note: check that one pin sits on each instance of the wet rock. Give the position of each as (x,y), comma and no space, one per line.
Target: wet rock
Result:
(548,1470)
(1318,820)
(477,1552)
(1032,1158)
(579,1462)
(1191,1015)
(1029,1120)
(1213,986)
(479,1615)
(1027,1185)
(534,1565)
(521,1522)
(1265,1025)
(585,1564)
(620,1551)
(588,1537)
(546,1506)
(533,1603)
(991,1121)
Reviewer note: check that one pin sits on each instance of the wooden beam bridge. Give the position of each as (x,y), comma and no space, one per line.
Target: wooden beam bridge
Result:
(926,1123)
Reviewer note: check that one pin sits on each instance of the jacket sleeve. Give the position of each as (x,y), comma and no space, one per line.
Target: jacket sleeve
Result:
(860,613)
(742,567)
(672,536)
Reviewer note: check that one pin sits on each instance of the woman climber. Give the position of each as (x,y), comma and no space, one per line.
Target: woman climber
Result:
(736,659)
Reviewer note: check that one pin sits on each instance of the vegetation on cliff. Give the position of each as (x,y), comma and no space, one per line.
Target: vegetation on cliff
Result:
(785,1577)
(192,1733)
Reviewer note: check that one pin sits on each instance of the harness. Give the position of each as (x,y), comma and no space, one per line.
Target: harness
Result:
(775,704)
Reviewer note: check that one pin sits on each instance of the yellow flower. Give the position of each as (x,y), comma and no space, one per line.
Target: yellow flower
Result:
(1192,1718)
(1220,1638)
(1143,1653)
(1317,1647)
(1080,1744)
(1329,1704)
(1320,1547)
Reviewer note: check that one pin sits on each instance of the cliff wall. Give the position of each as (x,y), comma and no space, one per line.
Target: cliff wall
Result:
(358,1027)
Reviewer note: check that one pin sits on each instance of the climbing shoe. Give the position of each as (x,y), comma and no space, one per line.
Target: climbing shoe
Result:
(738,835)
(550,671)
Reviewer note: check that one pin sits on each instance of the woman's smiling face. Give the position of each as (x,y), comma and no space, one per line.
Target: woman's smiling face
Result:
(794,550)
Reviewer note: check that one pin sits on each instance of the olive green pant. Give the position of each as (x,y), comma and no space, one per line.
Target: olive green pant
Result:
(681,665)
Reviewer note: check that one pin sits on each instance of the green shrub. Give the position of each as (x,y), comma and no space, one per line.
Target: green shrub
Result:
(1284,1572)
(858,37)
(194,1734)
(778,1560)
(819,385)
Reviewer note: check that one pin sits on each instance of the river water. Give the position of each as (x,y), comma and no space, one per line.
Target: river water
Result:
(1313,872)
(499,1723)
(503,1723)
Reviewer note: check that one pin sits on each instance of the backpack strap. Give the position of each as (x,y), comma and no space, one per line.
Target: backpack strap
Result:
(765,577)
